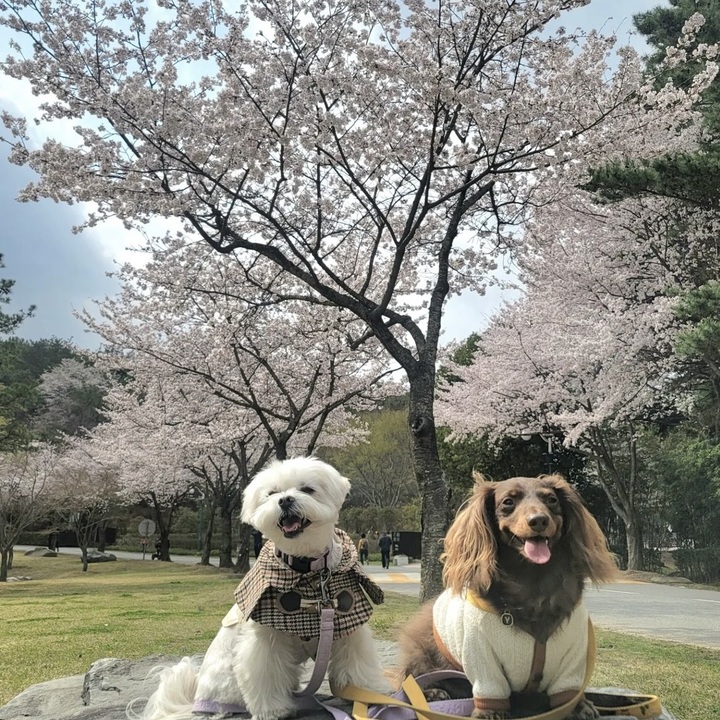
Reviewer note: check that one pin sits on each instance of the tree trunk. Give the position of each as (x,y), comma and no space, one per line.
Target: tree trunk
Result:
(84,533)
(4,565)
(633,526)
(621,490)
(164,546)
(225,549)
(164,519)
(242,564)
(634,540)
(431,481)
(102,536)
(207,525)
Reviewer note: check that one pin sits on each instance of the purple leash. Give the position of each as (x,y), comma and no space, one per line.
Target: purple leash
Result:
(305,698)
(322,655)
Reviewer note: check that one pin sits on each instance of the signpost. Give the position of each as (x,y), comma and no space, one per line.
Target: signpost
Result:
(145,528)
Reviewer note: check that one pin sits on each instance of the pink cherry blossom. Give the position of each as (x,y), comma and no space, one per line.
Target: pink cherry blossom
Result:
(381,155)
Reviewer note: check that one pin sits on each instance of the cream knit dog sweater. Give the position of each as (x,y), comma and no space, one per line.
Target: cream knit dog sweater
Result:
(498,659)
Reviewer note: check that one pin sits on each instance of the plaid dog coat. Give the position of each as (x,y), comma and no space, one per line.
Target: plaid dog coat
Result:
(274,594)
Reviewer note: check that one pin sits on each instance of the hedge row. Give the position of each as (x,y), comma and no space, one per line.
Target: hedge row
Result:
(186,542)
(700,566)
(132,542)
(178,541)
(37,538)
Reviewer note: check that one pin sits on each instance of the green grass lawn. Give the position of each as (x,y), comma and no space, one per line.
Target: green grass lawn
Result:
(63,620)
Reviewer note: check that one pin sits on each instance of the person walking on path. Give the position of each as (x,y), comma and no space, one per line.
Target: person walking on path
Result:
(363,549)
(385,544)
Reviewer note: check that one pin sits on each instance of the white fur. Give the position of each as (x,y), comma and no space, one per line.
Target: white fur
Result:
(254,664)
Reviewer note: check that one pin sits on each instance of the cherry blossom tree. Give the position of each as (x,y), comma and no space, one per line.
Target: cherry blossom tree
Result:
(378,153)
(72,393)
(225,475)
(217,400)
(83,495)
(284,373)
(25,481)
(22,363)
(291,364)
(587,355)
(157,435)
(147,471)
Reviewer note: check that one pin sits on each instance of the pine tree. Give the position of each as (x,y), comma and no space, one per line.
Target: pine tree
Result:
(690,177)
(10,321)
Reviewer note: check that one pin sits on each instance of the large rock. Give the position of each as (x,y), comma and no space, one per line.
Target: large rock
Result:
(104,692)
(95,556)
(41,552)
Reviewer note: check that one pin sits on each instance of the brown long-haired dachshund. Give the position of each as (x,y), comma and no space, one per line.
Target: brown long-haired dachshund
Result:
(512,617)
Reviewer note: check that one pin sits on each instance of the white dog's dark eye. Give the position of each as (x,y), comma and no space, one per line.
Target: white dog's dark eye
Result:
(307,490)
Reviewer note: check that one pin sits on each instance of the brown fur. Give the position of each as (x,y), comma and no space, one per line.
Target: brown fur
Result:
(483,552)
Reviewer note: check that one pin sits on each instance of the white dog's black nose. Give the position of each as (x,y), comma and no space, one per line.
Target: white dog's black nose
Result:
(286,502)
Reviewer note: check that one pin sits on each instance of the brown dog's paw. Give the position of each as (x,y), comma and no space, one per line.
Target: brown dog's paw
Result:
(490,714)
(584,710)
(432,694)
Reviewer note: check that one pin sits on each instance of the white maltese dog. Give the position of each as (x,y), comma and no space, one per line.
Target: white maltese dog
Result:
(257,657)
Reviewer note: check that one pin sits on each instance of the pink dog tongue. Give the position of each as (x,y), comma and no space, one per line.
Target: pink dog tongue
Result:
(291,526)
(537,551)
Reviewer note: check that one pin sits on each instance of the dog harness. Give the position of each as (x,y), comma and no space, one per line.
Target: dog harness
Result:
(499,658)
(290,600)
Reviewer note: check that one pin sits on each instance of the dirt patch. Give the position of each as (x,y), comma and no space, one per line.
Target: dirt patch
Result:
(652,577)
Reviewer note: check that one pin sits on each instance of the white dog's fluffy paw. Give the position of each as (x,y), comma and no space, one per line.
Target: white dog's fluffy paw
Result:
(355,661)
(361,675)
(276,712)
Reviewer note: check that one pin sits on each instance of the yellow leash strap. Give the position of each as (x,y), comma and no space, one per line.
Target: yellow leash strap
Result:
(643,706)
(363,698)
(415,695)
(646,707)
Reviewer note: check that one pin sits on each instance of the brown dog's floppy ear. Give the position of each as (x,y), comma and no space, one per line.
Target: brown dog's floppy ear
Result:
(587,539)
(470,555)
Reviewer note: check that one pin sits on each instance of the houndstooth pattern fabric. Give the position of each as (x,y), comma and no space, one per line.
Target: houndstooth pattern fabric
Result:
(258,595)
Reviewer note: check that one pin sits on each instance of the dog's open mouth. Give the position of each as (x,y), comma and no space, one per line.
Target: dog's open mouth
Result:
(292,525)
(536,550)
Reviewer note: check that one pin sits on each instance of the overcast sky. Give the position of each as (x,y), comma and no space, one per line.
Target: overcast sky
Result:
(59,271)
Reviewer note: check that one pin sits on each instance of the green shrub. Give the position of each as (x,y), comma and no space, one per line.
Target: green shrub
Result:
(187,542)
(653,559)
(37,538)
(701,565)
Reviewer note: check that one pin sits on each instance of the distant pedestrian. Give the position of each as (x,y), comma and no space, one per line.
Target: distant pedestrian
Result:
(363,549)
(385,544)
(53,543)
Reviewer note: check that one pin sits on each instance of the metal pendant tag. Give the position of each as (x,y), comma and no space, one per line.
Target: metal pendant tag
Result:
(507,619)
